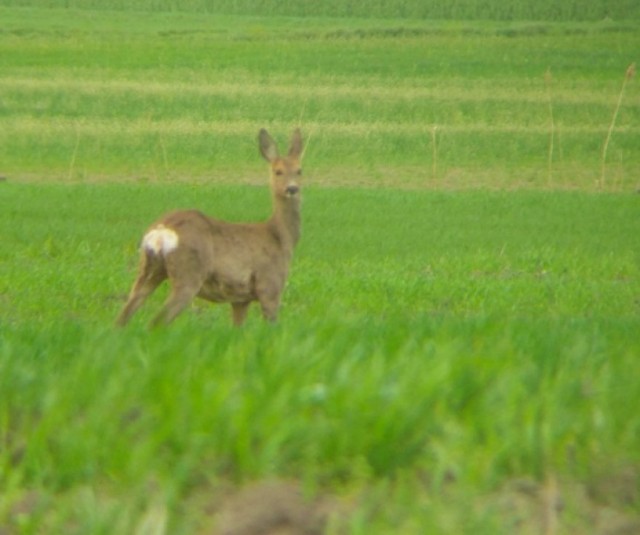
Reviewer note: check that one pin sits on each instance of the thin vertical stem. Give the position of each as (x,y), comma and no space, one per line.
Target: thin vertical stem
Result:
(72,164)
(631,70)
(434,147)
(548,79)
(165,160)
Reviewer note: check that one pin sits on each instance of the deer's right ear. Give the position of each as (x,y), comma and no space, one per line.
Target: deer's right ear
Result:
(268,147)
(295,150)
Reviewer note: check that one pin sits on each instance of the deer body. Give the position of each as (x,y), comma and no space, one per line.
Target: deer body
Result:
(224,262)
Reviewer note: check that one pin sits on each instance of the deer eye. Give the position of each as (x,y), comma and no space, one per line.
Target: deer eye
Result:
(279,172)
(299,172)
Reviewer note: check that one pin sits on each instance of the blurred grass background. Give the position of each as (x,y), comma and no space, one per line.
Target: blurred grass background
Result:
(91,95)
(547,10)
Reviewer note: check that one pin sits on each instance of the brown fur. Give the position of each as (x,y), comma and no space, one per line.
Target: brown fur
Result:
(234,263)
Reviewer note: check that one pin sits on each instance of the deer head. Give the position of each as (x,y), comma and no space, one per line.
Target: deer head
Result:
(285,170)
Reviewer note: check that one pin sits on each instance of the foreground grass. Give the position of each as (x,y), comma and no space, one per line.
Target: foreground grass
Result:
(446,363)
(348,408)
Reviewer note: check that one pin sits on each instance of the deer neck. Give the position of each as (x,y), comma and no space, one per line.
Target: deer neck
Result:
(285,220)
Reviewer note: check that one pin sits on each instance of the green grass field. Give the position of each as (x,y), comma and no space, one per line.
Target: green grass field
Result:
(90,95)
(458,346)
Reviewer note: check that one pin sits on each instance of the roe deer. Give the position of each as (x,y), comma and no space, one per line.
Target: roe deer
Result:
(224,262)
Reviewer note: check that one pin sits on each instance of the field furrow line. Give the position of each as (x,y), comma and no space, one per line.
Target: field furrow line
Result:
(459,91)
(55,126)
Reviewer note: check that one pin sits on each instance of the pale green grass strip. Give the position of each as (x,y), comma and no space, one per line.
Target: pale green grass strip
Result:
(53,126)
(455,90)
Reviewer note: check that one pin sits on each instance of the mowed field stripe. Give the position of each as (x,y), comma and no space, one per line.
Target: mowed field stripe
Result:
(456,90)
(52,126)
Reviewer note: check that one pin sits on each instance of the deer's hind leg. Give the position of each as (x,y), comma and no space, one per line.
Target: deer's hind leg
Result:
(186,274)
(152,272)
(179,298)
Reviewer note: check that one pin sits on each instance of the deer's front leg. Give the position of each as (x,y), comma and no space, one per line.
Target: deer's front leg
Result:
(239,313)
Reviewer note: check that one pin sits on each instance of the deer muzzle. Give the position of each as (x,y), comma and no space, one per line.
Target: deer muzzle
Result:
(292,190)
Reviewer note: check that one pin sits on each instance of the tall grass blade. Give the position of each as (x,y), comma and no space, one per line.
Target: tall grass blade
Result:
(434,145)
(552,127)
(631,70)
(74,155)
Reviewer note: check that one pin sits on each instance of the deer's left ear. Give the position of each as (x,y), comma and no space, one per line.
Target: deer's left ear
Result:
(295,149)
(268,147)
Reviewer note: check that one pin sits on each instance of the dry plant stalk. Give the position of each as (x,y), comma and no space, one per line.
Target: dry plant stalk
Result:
(551,502)
(631,70)
(165,160)
(434,143)
(72,164)
(547,80)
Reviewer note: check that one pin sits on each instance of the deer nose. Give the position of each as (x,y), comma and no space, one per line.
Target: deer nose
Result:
(292,189)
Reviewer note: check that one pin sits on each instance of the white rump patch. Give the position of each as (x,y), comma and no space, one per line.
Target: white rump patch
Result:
(160,240)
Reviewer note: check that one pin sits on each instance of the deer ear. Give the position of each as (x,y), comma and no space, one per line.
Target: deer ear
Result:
(268,147)
(295,149)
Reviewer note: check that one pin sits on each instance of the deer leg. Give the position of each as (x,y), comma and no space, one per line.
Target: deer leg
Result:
(239,312)
(184,269)
(148,280)
(269,304)
(180,297)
